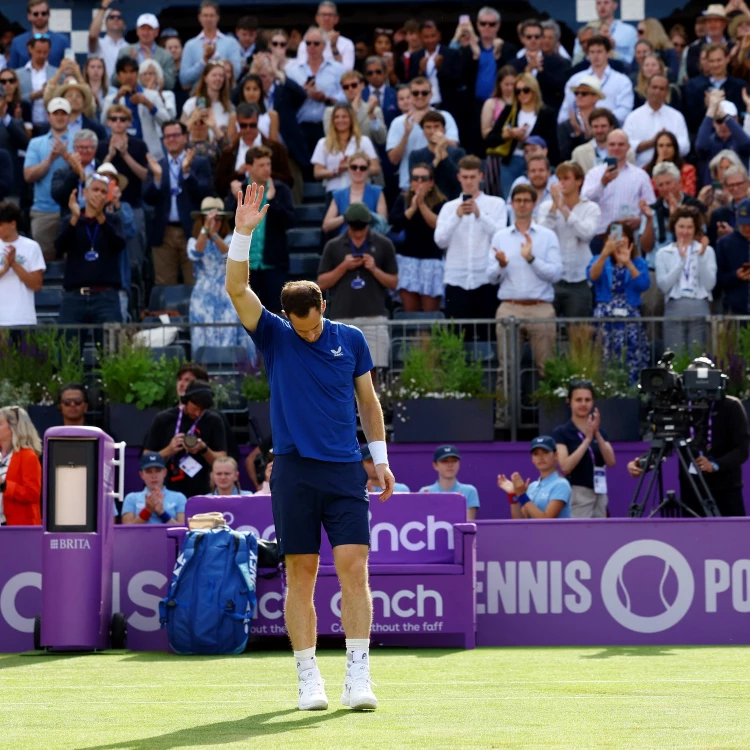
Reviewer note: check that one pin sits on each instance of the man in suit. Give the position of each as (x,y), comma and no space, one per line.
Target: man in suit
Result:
(32,79)
(269,262)
(12,139)
(377,86)
(38,15)
(175,186)
(231,163)
(550,71)
(80,164)
(209,45)
(147,29)
(695,91)
(715,26)
(440,65)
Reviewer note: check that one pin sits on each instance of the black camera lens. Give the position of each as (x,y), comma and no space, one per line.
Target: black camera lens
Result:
(190,440)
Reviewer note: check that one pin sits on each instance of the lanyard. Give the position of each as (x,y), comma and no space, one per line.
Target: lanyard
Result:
(179,422)
(92,236)
(688,266)
(591,450)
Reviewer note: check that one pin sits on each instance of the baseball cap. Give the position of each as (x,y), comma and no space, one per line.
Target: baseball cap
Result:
(535,140)
(365,451)
(743,212)
(152,459)
(446,451)
(357,213)
(544,441)
(726,109)
(57,104)
(147,19)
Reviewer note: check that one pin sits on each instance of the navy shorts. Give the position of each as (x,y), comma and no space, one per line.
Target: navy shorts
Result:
(307,494)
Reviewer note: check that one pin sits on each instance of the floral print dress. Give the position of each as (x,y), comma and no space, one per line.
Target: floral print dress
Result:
(625,343)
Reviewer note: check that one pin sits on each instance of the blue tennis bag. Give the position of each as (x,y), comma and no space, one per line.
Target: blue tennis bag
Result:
(211,600)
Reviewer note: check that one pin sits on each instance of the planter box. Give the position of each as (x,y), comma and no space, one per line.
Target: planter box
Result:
(435,420)
(44,417)
(128,423)
(552,415)
(621,418)
(261,412)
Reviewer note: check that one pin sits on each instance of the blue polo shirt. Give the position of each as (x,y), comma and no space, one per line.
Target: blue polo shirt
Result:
(486,73)
(36,152)
(469,491)
(554,487)
(174,503)
(313,411)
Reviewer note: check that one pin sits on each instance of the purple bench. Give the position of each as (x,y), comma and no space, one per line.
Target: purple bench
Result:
(422,569)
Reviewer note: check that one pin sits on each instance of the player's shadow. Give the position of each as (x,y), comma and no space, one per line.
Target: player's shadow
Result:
(613,651)
(235,730)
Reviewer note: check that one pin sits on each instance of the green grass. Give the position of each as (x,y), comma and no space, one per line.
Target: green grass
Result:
(489,698)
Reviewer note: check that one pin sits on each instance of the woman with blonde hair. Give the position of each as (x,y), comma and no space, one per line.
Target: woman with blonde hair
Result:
(330,159)
(528,116)
(95,75)
(212,94)
(20,469)
(652,31)
(502,97)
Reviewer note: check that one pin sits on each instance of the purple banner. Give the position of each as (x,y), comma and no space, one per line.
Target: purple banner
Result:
(616,582)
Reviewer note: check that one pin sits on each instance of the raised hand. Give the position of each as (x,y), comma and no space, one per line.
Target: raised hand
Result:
(519,486)
(704,245)
(75,209)
(155,167)
(249,213)
(526,247)
(646,210)
(505,484)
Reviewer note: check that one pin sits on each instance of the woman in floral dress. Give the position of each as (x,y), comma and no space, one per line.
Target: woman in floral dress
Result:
(209,301)
(619,279)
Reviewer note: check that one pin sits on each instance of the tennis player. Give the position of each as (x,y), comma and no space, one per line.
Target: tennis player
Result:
(316,368)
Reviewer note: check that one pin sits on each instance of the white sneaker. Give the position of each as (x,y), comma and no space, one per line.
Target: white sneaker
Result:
(357,691)
(312,694)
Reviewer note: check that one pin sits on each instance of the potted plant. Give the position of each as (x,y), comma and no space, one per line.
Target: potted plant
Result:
(733,358)
(439,396)
(257,392)
(136,387)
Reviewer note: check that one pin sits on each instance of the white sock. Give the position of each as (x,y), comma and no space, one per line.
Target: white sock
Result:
(305,660)
(357,650)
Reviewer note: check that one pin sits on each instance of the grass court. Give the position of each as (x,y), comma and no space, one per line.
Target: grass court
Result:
(606,697)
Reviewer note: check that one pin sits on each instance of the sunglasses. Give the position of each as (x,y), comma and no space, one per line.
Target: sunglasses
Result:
(383,31)
(421,93)
(641,32)
(114,17)
(358,168)
(41,36)
(100,178)
(358,226)
(524,90)
(6,81)
(72,401)
(118,118)
(40,13)
(347,86)
(584,93)
(248,125)
(420,178)
(314,44)
(533,36)
(487,23)
(278,44)
(369,73)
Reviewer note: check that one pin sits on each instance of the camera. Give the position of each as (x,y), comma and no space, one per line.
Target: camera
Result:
(679,400)
(190,440)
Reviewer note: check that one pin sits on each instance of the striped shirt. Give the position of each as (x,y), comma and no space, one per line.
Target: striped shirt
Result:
(620,198)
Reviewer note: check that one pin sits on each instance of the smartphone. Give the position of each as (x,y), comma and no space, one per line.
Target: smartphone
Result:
(310,79)
(200,102)
(615,232)
(611,162)
(465,197)
(111,192)
(464,19)
(69,53)
(716,185)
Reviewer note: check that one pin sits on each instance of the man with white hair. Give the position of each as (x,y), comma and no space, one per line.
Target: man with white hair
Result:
(337,48)
(644,124)
(209,45)
(80,164)
(618,187)
(616,87)
(551,39)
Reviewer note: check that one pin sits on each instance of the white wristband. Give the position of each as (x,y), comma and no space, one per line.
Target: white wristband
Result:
(378,452)
(239,247)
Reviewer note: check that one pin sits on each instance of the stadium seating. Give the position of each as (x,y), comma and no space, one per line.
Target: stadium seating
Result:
(171,298)
(310,214)
(304,265)
(313,192)
(54,273)
(48,301)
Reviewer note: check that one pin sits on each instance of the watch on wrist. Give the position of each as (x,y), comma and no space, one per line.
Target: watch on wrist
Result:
(203,450)
(530,259)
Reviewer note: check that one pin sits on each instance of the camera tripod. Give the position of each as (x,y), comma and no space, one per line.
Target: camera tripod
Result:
(670,504)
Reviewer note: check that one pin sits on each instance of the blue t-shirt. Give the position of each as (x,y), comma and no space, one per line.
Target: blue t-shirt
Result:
(469,491)
(313,410)
(174,503)
(554,487)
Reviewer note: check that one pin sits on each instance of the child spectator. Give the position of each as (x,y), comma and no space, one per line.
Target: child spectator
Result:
(447,461)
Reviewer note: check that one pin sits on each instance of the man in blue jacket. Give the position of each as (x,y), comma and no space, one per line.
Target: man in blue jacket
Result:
(719,130)
(733,264)
(37,11)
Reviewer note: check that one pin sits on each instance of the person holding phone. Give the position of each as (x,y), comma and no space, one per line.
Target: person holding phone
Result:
(619,278)
(584,453)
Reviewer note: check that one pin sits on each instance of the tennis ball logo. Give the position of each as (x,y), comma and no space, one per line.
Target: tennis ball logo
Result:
(618,600)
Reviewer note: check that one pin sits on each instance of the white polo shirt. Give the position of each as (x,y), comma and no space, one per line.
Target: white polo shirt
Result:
(16,299)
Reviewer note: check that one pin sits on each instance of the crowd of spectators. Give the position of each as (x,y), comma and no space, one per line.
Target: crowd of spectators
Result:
(490,175)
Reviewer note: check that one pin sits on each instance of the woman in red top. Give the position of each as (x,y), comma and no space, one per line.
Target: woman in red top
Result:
(20,470)
(667,149)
